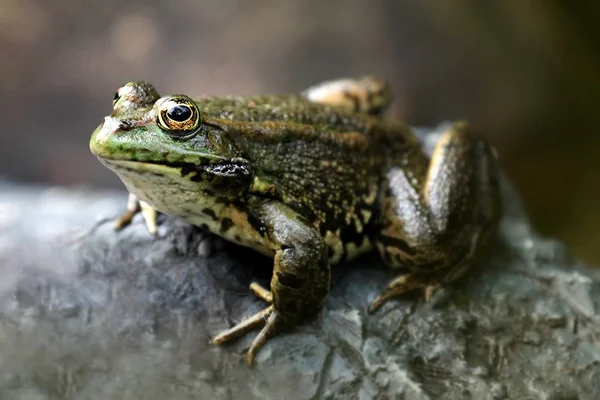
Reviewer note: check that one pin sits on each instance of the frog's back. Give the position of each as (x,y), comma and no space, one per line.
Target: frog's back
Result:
(324,162)
(298,110)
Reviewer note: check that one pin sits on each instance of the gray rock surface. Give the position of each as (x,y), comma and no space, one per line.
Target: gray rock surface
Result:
(90,313)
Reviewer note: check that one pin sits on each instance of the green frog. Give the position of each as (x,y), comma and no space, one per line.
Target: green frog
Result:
(310,179)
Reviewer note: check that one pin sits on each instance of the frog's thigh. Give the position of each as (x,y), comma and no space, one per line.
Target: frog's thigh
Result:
(300,280)
(366,94)
(462,186)
(440,226)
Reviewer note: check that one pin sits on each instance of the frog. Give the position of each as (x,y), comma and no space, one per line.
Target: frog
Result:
(311,180)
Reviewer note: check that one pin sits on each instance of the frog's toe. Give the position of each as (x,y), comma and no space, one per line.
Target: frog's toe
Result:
(261,292)
(402,284)
(133,207)
(429,290)
(273,325)
(269,317)
(244,327)
(150,216)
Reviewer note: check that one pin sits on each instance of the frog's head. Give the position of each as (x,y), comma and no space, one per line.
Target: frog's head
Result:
(150,140)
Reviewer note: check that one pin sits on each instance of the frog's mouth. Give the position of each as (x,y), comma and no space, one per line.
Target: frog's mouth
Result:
(224,172)
(178,170)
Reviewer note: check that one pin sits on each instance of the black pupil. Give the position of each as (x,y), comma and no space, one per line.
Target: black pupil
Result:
(116,96)
(179,113)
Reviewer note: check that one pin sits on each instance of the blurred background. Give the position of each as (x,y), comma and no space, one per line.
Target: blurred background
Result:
(527,74)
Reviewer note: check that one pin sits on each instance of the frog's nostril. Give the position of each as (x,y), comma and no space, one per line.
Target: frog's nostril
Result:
(125,125)
(108,127)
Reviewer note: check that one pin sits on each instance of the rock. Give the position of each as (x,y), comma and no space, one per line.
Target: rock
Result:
(90,313)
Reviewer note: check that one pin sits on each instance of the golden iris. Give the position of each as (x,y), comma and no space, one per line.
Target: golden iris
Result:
(178,116)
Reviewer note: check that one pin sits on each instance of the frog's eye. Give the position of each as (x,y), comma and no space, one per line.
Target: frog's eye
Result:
(178,116)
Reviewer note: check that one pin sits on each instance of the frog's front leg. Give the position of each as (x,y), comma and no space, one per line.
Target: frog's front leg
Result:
(436,224)
(134,206)
(300,279)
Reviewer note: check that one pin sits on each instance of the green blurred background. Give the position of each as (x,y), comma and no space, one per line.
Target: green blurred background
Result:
(527,74)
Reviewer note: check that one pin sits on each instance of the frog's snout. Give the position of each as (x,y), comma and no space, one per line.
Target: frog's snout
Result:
(108,127)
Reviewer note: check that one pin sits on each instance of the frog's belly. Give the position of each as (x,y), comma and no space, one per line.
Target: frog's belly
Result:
(182,199)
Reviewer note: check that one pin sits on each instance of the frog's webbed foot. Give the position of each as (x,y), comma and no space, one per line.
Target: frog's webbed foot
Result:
(270,320)
(403,284)
(134,206)
(367,94)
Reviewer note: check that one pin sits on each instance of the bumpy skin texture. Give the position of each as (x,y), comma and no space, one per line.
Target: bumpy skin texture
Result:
(311,184)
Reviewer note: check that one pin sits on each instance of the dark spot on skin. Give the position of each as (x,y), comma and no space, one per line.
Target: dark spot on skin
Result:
(398,243)
(125,125)
(290,280)
(210,212)
(350,235)
(226,223)
(257,224)
(204,227)
(237,238)
(336,218)
(186,169)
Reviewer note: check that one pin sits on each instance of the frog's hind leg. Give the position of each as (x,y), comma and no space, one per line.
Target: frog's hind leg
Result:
(367,94)
(435,223)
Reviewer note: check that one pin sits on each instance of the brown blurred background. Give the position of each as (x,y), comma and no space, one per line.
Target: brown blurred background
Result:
(526,73)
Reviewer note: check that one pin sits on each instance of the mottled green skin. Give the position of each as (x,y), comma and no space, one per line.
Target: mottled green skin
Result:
(310,184)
